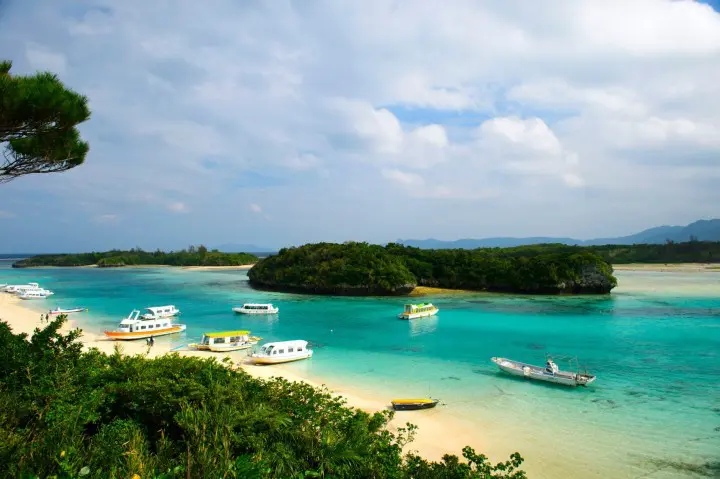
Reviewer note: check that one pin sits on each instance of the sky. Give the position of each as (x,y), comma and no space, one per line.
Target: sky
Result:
(293,121)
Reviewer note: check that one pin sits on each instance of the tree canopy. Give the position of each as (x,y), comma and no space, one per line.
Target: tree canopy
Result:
(66,413)
(38,124)
(193,256)
(364,269)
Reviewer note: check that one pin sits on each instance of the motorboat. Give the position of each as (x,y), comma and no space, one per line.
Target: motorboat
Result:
(415,311)
(414,404)
(253,308)
(225,341)
(19,288)
(160,312)
(59,310)
(282,352)
(550,373)
(38,293)
(135,327)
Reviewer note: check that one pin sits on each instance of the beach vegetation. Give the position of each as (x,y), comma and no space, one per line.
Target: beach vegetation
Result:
(38,124)
(194,256)
(70,413)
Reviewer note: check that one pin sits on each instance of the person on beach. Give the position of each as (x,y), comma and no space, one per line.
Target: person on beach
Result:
(152,341)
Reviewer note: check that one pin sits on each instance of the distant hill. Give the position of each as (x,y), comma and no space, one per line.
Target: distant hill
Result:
(243,248)
(703,230)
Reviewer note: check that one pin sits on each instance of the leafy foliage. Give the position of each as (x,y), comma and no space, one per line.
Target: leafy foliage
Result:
(193,256)
(38,119)
(671,252)
(360,268)
(68,413)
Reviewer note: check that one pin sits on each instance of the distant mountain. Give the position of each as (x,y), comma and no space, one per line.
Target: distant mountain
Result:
(703,230)
(243,248)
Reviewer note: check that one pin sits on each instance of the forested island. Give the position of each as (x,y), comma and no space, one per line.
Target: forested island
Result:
(192,256)
(692,251)
(69,413)
(364,269)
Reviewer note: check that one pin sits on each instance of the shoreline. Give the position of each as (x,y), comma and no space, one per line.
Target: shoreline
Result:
(431,423)
(132,266)
(670,267)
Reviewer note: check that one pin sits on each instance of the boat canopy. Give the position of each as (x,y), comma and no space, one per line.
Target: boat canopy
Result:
(226,334)
(413,401)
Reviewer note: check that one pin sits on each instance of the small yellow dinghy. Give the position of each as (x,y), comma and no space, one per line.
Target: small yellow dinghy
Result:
(413,404)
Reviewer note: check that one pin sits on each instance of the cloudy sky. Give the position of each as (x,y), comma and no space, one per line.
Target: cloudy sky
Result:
(284,122)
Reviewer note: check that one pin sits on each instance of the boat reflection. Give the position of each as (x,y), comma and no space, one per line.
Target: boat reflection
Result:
(422,326)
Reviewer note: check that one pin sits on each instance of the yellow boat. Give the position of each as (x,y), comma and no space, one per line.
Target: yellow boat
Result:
(223,341)
(413,404)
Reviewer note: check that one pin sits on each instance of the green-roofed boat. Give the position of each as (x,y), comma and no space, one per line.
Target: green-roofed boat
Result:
(224,341)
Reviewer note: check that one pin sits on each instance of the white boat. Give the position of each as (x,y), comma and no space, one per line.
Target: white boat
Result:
(550,373)
(135,327)
(282,352)
(59,310)
(225,341)
(18,288)
(34,294)
(252,308)
(160,312)
(422,310)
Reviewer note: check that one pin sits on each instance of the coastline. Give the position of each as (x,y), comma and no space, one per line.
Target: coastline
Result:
(670,267)
(240,267)
(432,423)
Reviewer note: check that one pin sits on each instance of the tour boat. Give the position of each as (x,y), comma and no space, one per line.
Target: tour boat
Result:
(251,308)
(550,373)
(160,312)
(135,327)
(413,404)
(18,288)
(226,341)
(59,310)
(422,310)
(282,352)
(34,293)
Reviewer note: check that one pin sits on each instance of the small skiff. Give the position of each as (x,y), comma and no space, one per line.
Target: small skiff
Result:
(67,311)
(550,373)
(413,404)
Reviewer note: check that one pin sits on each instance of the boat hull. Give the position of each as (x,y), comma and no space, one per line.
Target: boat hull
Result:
(414,406)
(537,373)
(279,359)
(122,336)
(230,347)
(424,314)
(68,311)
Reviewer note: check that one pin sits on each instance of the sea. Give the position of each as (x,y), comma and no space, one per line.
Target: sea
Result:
(654,344)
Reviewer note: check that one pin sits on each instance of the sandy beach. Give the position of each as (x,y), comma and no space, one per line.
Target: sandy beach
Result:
(432,424)
(670,268)
(219,268)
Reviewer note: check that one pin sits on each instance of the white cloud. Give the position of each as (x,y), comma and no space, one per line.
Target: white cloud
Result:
(255,208)
(315,103)
(106,218)
(42,58)
(7,214)
(178,207)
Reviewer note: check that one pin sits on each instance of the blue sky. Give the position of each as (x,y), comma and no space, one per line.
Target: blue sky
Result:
(286,122)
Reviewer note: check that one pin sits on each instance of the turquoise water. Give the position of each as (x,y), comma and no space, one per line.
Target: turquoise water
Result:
(654,345)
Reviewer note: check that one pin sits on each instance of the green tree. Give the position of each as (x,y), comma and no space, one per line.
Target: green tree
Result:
(38,119)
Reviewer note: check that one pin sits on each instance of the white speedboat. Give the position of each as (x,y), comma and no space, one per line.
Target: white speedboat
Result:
(422,310)
(159,312)
(550,373)
(225,341)
(19,288)
(134,327)
(34,294)
(252,308)
(282,352)
(59,310)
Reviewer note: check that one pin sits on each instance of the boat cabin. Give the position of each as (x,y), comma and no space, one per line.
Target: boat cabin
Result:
(419,308)
(156,312)
(134,324)
(257,308)
(225,337)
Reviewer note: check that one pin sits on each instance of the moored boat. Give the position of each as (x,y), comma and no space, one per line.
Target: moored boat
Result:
(37,293)
(225,341)
(253,308)
(19,288)
(159,312)
(135,327)
(413,404)
(550,373)
(422,310)
(59,310)
(282,352)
